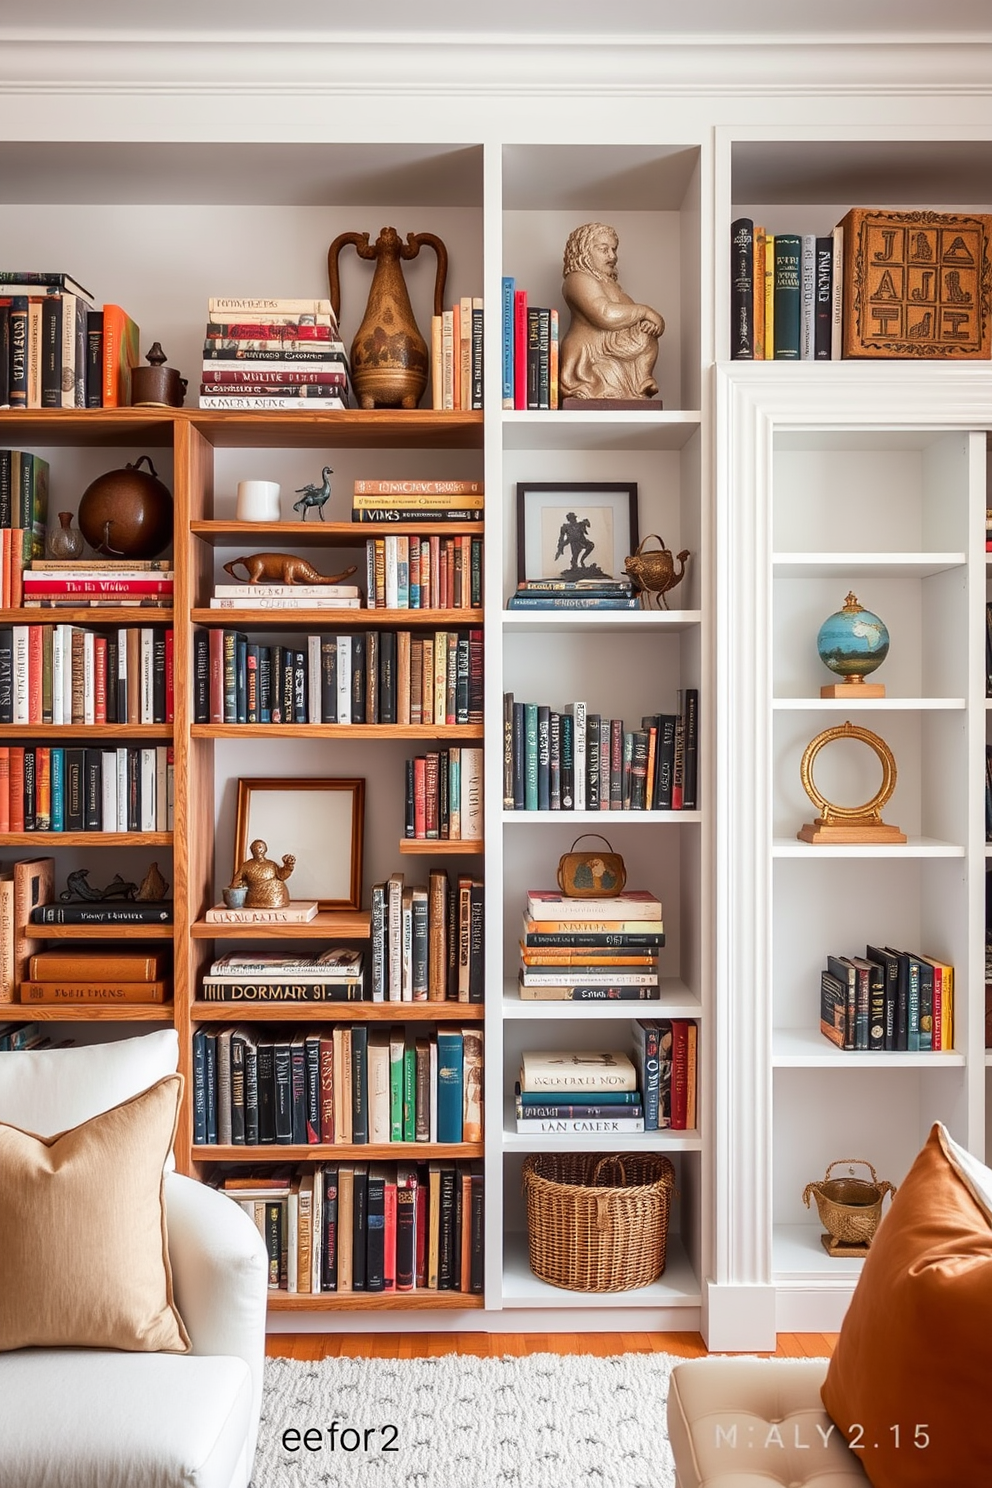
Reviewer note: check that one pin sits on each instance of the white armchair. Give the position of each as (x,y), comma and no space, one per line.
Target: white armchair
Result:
(88,1418)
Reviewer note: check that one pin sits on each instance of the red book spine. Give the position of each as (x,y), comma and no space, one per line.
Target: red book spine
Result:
(443,602)
(16,788)
(16,567)
(35,668)
(216,657)
(237,330)
(100,679)
(389,1267)
(43,787)
(680,1088)
(431,796)
(520,348)
(234,378)
(170,676)
(4,788)
(419,798)
(48,584)
(435,572)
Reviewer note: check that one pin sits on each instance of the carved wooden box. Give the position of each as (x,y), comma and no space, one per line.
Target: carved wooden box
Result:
(917,284)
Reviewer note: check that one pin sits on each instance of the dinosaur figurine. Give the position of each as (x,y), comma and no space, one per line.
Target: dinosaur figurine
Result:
(655,572)
(314,496)
(282,568)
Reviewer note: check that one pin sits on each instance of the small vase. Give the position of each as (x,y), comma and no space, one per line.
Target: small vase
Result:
(65,541)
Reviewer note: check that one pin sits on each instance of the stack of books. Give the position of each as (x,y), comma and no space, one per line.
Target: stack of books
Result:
(70,674)
(390,501)
(424,573)
(264,355)
(83,974)
(369,1227)
(58,350)
(23,520)
(599,949)
(888,999)
(530,351)
(578,1091)
(665,1053)
(335,975)
(286,597)
(578,594)
(99,583)
(456,355)
(353,1084)
(428,942)
(444,796)
(574,760)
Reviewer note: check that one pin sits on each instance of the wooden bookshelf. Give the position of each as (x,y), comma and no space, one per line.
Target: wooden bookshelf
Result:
(282,619)
(89,839)
(454,731)
(419,847)
(314,534)
(344,428)
(88,1012)
(343,1152)
(422,1299)
(102,932)
(89,615)
(327,924)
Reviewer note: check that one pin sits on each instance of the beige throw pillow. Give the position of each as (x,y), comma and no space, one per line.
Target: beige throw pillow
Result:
(83,1254)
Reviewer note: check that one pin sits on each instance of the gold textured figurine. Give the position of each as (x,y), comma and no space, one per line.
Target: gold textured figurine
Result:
(611,345)
(849,823)
(655,572)
(264,880)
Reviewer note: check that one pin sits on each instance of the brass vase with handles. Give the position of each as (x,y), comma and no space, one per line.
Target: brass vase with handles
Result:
(389,356)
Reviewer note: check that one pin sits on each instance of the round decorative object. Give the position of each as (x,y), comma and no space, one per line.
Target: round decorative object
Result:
(127,513)
(849,823)
(65,541)
(852,642)
(157,386)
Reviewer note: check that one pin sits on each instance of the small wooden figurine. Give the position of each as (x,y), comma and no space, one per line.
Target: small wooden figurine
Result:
(264,880)
(655,572)
(313,496)
(282,568)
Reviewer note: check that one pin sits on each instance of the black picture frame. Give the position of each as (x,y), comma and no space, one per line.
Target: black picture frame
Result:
(605,517)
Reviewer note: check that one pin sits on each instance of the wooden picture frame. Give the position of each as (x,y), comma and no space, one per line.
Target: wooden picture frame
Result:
(575,529)
(321,822)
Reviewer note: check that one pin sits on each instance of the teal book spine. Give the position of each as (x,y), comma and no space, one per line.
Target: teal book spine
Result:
(57,823)
(509,285)
(530,756)
(788,297)
(449,1086)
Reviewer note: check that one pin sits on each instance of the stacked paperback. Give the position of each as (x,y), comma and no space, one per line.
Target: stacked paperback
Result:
(581,1091)
(350,1084)
(99,583)
(265,355)
(332,976)
(591,950)
(888,999)
(57,350)
(369,1227)
(390,501)
(578,594)
(23,520)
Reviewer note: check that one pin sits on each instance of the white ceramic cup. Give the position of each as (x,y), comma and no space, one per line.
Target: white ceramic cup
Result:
(258,501)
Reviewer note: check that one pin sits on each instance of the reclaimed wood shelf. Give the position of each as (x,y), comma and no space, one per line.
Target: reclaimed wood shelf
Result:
(75,1012)
(101,932)
(420,847)
(90,426)
(327,924)
(423,1299)
(357,619)
(343,1152)
(89,839)
(128,731)
(136,615)
(337,1012)
(336,730)
(325,534)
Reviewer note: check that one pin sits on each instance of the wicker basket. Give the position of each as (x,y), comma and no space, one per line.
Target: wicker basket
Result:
(849,1208)
(598,1224)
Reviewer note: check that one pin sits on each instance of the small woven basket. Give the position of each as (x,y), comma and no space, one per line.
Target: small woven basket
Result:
(598,1224)
(849,1208)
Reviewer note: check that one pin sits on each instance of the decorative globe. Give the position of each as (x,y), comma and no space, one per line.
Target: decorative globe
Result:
(852,642)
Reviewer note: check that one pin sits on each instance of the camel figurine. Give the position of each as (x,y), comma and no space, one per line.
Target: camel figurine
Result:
(655,572)
(314,496)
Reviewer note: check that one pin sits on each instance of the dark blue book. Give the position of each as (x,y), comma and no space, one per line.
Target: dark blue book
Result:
(647,1059)
(375,1223)
(266,1091)
(519,751)
(210,1083)
(282,1060)
(199,1087)
(359,1258)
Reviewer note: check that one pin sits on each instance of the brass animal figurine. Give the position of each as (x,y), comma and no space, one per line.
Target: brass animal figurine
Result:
(282,568)
(264,880)
(314,496)
(655,572)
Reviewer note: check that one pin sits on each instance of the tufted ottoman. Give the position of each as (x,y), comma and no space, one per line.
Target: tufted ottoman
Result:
(751,1423)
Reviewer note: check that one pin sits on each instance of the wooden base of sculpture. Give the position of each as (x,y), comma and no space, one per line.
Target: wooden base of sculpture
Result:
(853,691)
(611,405)
(821,831)
(842,1248)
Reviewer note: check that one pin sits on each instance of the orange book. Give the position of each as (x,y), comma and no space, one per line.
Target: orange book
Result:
(758,293)
(100,679)
(83,965)
(17,567)
(120,355)
(465,1268)
(43,787)
(4,788)
(5,552)
(109,990)
(16,788)
(389,1239)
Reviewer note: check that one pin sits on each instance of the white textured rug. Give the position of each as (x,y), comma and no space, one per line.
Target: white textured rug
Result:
(545,1421)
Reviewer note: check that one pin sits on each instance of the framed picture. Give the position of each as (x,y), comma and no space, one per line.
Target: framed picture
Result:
(575,530)
(321,822)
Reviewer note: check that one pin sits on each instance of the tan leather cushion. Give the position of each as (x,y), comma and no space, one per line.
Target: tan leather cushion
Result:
(83,1254)
(915,1349)
(752,1423)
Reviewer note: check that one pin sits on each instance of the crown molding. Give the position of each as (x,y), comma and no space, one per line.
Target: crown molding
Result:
(666,67)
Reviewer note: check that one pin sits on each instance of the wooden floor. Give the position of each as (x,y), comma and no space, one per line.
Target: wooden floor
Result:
(495,1345)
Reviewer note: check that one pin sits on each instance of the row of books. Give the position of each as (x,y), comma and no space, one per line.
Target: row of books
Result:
(272,355)
(530,351)
(91,974)
(424,573)
(385,501)
(57,350)
(582,953)
(586,965)
(68,674)
(46,788)
(24,483)
(784,296)
(51,583)
(574,760)
(369,1227)
(578,594)
(428,943)
(666,1055)
(14,1036)
(456,355)
(444,795)
(387,677)
(353,1083)
(286,597)
(609,1092)
(888,999)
